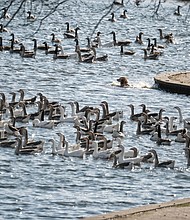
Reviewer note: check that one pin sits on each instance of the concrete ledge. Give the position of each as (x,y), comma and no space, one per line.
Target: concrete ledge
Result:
(174,82)
(140,211)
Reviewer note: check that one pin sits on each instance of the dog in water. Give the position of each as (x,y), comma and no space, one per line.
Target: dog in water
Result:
(123,81)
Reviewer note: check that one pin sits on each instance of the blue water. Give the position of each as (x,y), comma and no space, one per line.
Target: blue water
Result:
(52,187)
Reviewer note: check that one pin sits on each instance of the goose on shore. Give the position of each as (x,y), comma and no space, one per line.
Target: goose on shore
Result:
(164,164)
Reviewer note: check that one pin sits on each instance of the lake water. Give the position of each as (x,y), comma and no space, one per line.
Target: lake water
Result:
(52,187)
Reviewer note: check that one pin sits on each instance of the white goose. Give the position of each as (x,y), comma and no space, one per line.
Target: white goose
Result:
(134,160)
(102,154)
(75,153)
(43,124)
(61,151)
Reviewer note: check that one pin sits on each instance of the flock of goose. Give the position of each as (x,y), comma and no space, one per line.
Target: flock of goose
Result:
(99,132)
(152,50)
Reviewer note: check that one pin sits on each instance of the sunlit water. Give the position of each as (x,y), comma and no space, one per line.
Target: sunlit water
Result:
(46,186)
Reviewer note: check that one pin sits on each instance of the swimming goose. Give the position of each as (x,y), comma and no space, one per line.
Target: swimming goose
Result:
(139,38)
(140,131)
(72,35)
(97,40)
(157,45)
(127,52)
(169,37)
(20,118)
(100,154)
(5,14)
(30,143)
(47,49)
(14,49)
(89,59)
(187,153)
(84,49)
(119,43)
(39,47)
(74,153)
(164,164)
(30,16)
(124,14)
(55,40)
(154,51)
(119,3)
(177,12)
(11,129)
(3,47)
(180,138)
(122,165)
(148,45)
(27,150)
(119,133)
(148,158)
(135,160)
(61,55)
(68,29)
(43,124)
(133,116)
(112,19)
(26,54)
(55,151)
(160,140)
(150,56)
(186,121)
(102,58)
(29,101)
(8,143)
(3,29)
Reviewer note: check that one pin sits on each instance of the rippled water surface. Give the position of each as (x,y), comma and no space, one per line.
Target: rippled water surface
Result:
(46,186)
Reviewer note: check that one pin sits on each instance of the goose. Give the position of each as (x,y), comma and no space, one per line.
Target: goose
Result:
(186,121)
(160,140)
(47,49)
(11,130)
(140,131)
(169,37)
(177,12)
(96,42)
(157,45)
(133,116)
(72,35)
(123,165)
(5,14)
(127,52)
(26,151)
(43,124)
(89,59)
(135,160)
(84,49)
(3,29)
(8,143)
(112,19)
(26,54)
(100,154)
(119,43)
(154,51)
(28,101)
(148,158)
(187,154)
(39,47)
(68,29)
(150,56)
(164,164)
(139,38)
(149,44)
(124,14)
(75,153)
(180,138)
(119,133)
(30,143)
(55,40)
(120,3)
(14,49)
(3,47)
(30,16)
(55,151)
(61,55)
(20,118)
(170,127)
(102,58)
